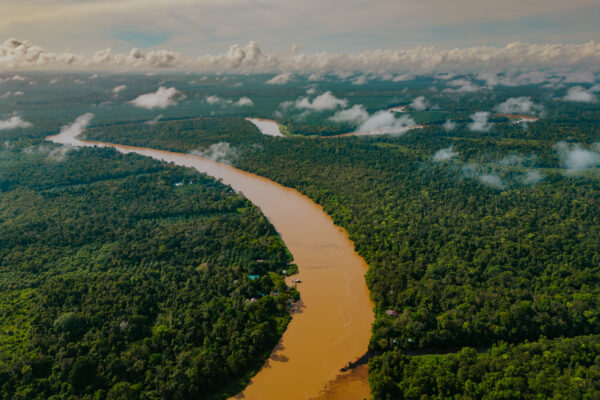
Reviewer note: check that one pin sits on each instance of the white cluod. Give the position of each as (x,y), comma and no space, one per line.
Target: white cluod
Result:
(532,177)
(323,102)
(14,122)
(162,98)
(580,95)
(357,114)
(384,122)
(576,158)
(419,103)
(491,180)
(220,152)
(444,154)
(480,122)
(519,105)
(68,133)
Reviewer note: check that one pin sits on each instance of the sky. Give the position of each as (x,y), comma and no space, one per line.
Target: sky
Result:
(196,28)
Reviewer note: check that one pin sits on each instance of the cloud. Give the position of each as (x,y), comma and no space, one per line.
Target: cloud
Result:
(154,120)
(403,77)
(214,99)
(360,80)
(18,54)
(518,78)
(13,78)
(244,101)
(513,160)
(14,122)
(449,125)
(444,154)
(93,76)
(323,102)
(53,81)
(579,77)
(385,122)
(532,177)
(480,122)
(220,152)
(9,93)
(118,89)
(75,129)
(53,153)
(483,175)
(357,114)
(462,86)
(579,94)
(492,180)
(419,103)
(280,79)
(444,76)
(576,158)
(162,98)
(519,105)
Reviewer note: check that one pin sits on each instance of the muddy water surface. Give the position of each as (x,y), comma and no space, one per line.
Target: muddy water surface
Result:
(333,324)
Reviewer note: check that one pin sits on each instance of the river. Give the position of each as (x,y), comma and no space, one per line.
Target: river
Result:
(333,324)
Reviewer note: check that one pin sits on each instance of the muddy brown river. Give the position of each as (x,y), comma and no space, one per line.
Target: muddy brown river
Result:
(332,326)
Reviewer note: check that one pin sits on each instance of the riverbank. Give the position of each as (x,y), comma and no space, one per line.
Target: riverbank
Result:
(333,325)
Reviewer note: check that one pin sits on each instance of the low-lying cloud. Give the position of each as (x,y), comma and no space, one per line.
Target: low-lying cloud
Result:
(52,153)
(162,98)
(12,78)
(216,100)
(532,177)
(324,102)
(462,86)
(480,122)
(579,94)
(9,93)
(492,180)
(519,105)
(154,120)
(379,123)
(280,79)
(419,103)
(360,80)
(444,154)
(77,127)
(385,122)
(244,102)
(119,89)
(576,158)
(356,114)
(14,122)
(483,175)
(220,152)
(449,125)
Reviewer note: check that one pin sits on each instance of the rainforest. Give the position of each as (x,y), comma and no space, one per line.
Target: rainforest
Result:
(473,204)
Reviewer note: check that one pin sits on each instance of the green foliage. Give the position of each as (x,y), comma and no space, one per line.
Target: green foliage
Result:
(561,368)
(116,283)
(462,263)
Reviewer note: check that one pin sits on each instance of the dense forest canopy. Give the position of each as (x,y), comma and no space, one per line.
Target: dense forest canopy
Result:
(482,233)
(122,277)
